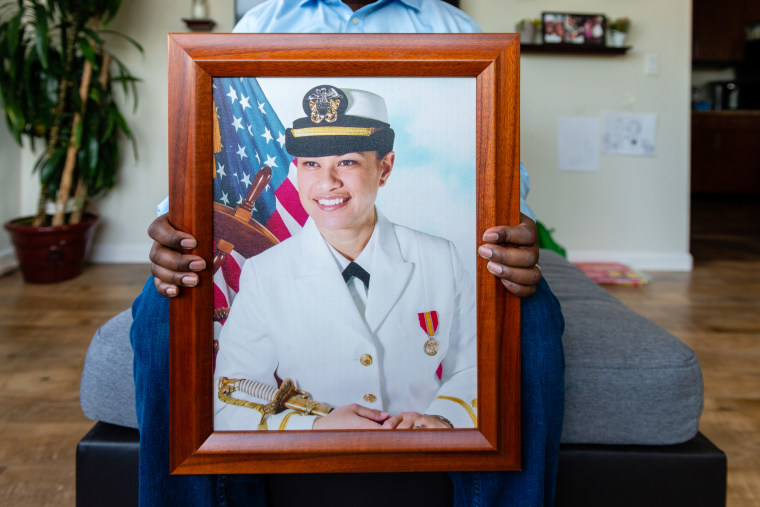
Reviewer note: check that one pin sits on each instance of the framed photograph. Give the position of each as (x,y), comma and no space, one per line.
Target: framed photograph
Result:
(553,24)
(575,29)
(295,158)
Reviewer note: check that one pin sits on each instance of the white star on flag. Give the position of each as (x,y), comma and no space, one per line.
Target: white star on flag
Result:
(267,135)
(224,199)
(247,180)
(261,107)
(244,102)
(237,123)
(270,161)
(281,140)
(232,95)
(241,152)
(220,171)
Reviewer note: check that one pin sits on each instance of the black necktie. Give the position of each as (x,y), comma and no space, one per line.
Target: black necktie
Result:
(353,269)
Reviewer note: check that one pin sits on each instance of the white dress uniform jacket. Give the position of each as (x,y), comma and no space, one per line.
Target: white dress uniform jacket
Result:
(294,316)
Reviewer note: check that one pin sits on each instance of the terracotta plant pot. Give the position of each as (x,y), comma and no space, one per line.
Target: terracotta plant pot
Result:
(51,254)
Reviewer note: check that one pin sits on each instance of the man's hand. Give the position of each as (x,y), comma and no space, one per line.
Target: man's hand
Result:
(170,267)
(414,420)
(351,417)
(512,253)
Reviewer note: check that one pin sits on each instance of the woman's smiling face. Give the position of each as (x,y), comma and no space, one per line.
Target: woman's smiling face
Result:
(338,191)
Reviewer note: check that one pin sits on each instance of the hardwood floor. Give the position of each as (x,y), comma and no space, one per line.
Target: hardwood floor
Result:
(715,310)
(44,334)
(45,331)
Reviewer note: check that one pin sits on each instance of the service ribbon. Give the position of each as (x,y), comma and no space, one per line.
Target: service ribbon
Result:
(429,322)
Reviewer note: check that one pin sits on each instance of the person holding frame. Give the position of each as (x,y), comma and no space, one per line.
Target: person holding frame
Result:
(512,255)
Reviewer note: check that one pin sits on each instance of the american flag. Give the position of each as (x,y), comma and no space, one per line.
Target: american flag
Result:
(251,136)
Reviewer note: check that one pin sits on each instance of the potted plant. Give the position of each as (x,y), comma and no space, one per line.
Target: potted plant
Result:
(56,87)
(528,28)
(619,31)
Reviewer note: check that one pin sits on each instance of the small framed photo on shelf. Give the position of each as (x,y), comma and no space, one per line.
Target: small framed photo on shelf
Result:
(575,29)
(554,27)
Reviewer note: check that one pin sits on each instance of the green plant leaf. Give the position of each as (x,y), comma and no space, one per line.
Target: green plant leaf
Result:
(88,52)
(50,168)
(41,34)
(92,34)
(13,30)
(124,36)
(78,134)
(93,148)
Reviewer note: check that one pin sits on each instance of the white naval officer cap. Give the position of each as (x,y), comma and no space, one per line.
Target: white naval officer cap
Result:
(340,121)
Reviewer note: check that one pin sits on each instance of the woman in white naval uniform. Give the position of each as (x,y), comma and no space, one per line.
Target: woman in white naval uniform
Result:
(399,352)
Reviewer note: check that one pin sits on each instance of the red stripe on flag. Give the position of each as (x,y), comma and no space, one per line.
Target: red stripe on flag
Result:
(277,227)
(288,196)
(231,271)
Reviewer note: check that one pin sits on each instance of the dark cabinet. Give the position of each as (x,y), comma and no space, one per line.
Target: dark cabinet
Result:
(719,29)
(725,152)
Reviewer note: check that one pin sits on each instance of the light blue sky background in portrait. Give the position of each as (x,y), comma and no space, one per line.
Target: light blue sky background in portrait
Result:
(432,187)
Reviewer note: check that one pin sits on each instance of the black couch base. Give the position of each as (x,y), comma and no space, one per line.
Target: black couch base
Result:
(692,473)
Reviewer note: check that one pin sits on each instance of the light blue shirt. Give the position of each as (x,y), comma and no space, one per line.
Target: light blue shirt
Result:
(383,16)
(333,16)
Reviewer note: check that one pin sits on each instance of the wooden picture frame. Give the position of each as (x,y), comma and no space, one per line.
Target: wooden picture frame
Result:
(194,60)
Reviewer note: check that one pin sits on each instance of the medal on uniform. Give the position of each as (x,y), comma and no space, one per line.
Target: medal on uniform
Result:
(429,324)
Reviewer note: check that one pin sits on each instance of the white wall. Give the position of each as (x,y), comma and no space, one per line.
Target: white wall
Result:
(633,210)
(9,182)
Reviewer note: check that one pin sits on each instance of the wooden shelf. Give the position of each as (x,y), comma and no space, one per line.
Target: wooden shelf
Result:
(574,49)
(199,25)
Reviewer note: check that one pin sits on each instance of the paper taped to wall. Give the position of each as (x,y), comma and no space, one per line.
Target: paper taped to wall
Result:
(629,134)
(577,144)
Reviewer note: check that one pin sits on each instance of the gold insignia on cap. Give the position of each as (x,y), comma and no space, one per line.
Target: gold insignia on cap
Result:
(324,104)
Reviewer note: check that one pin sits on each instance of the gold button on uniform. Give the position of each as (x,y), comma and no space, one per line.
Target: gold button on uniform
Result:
(370,398)
(366,360)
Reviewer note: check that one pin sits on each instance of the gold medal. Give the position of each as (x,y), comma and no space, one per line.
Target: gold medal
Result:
(431,346)
(429,324)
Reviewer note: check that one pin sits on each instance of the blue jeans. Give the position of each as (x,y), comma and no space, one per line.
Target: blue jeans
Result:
(542,411)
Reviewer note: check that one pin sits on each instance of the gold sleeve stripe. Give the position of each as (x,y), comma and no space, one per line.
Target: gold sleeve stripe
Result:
(464,405)
(333,131)
(284,423)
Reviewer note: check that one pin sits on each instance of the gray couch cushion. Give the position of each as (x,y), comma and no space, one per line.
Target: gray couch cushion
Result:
(107,390)
(628,381)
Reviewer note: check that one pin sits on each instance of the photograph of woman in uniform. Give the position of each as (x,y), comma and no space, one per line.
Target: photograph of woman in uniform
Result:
(351,320)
